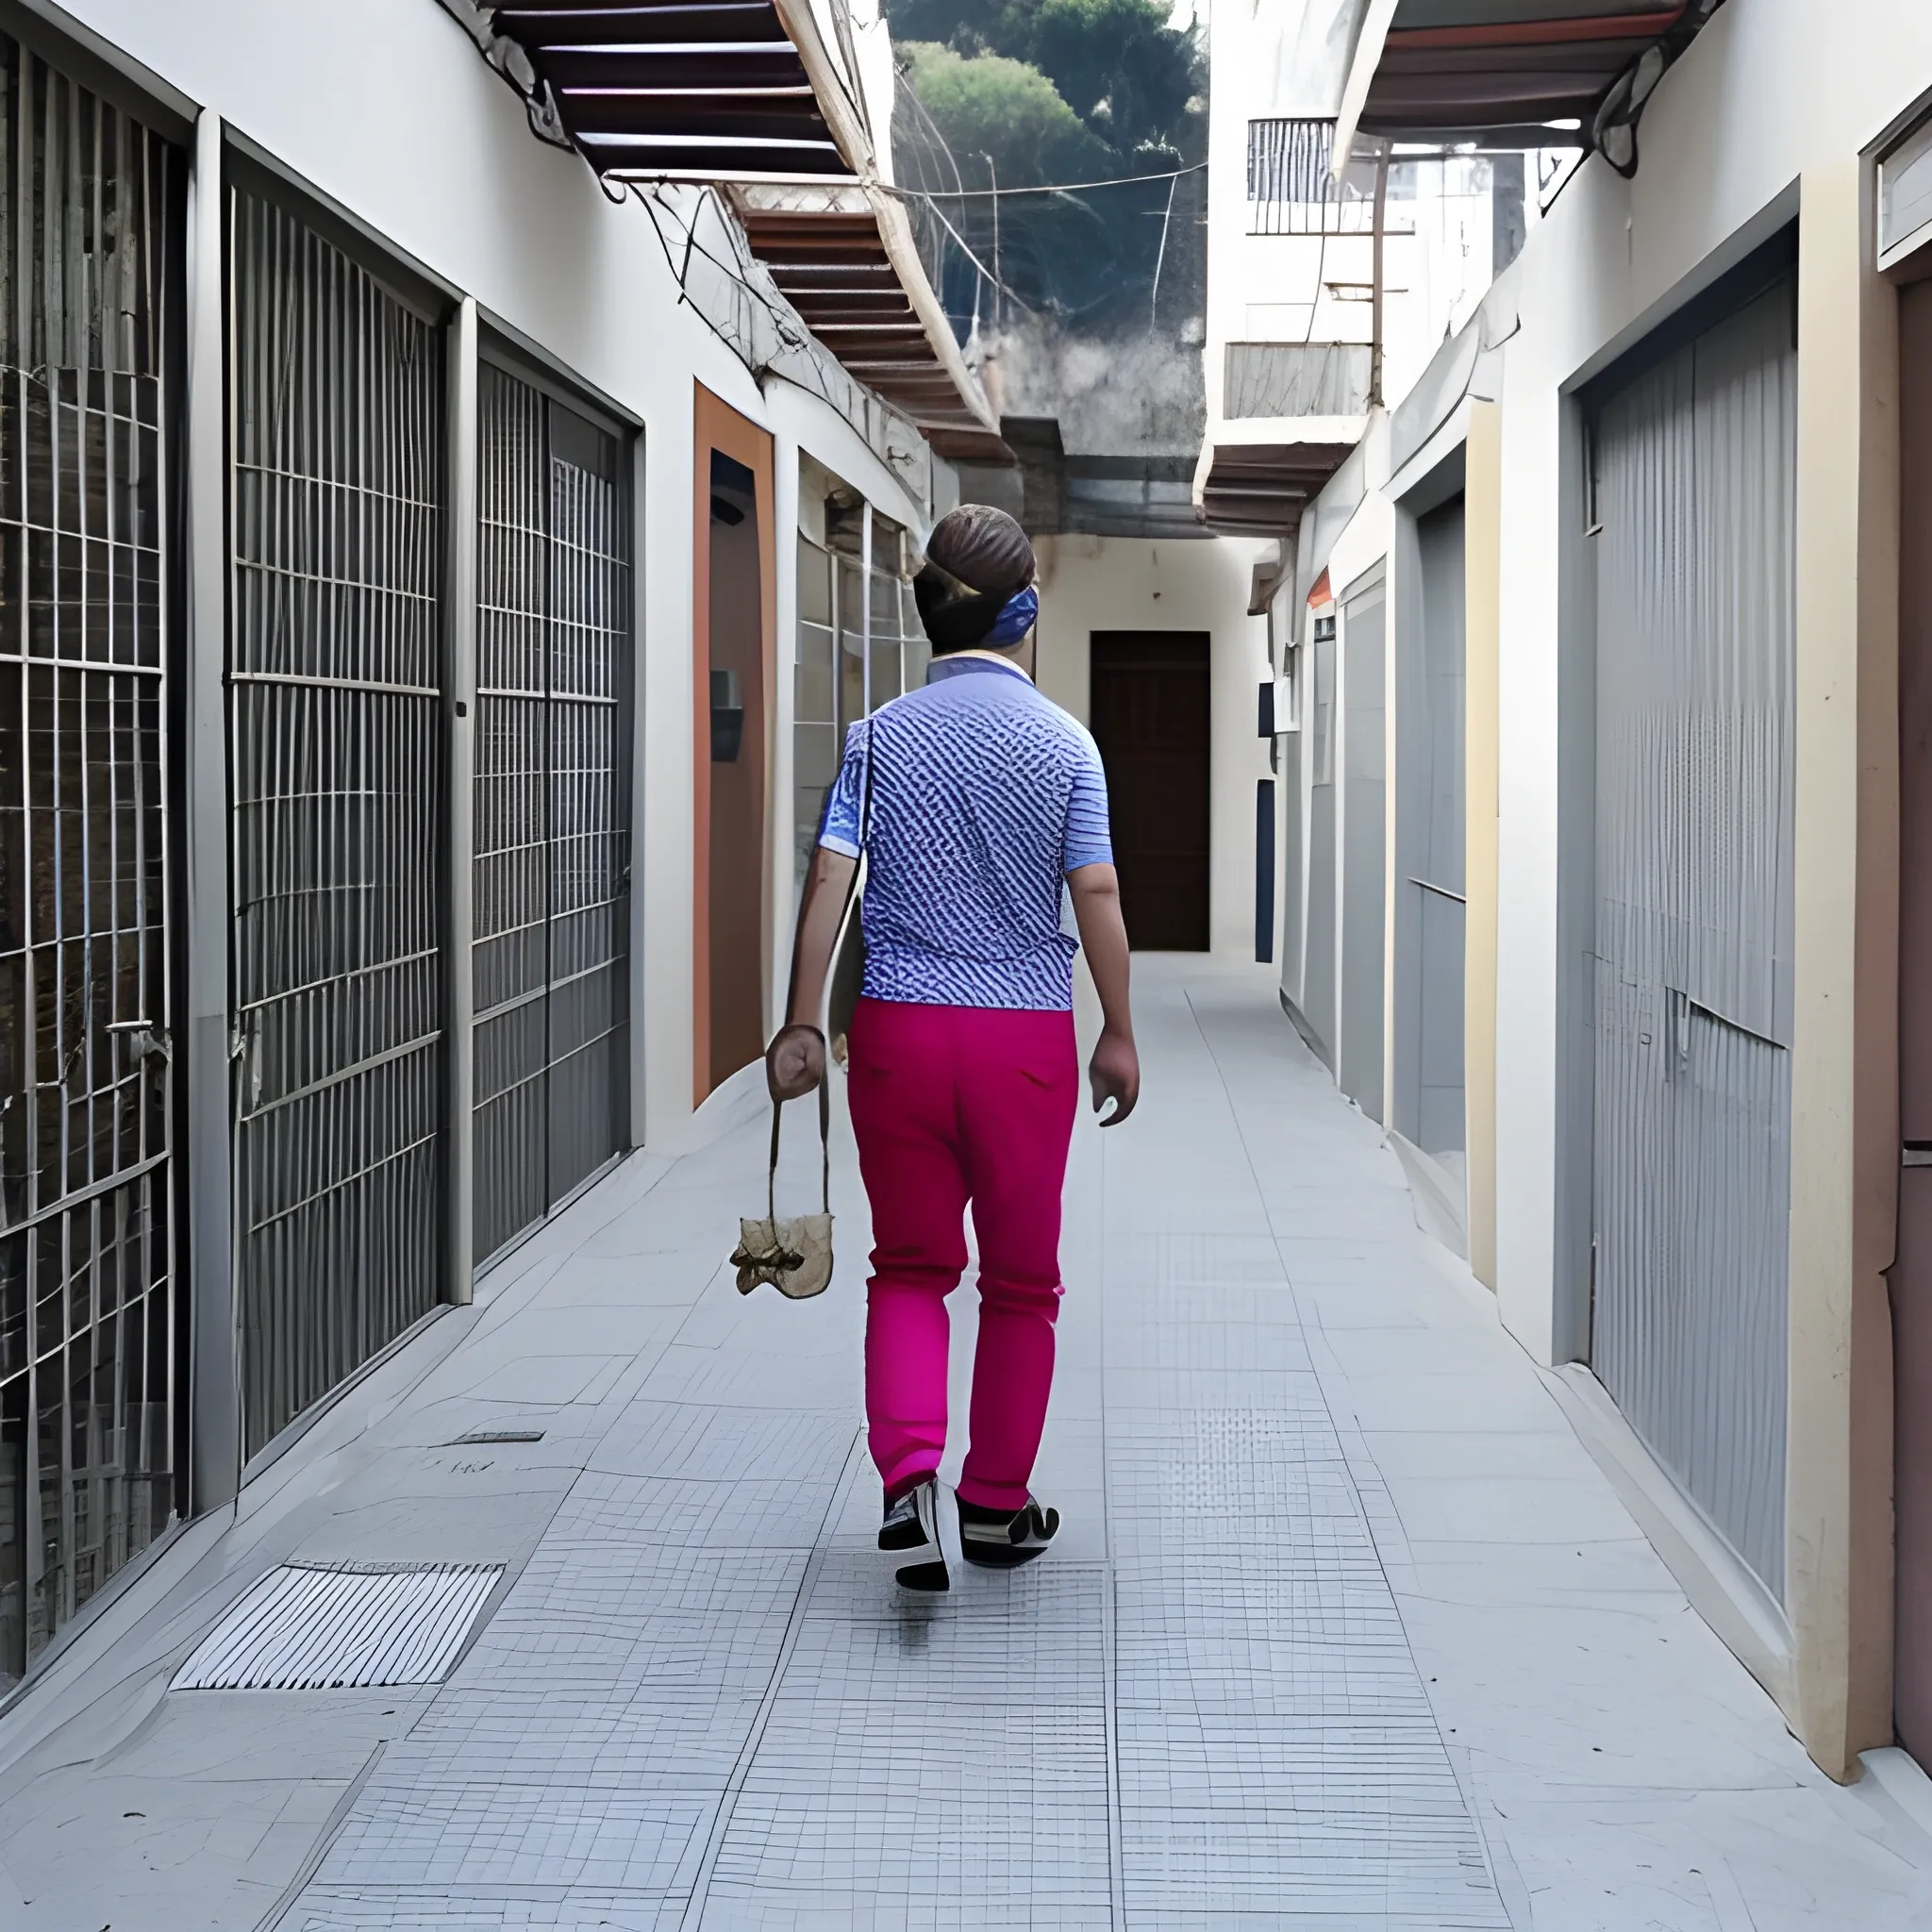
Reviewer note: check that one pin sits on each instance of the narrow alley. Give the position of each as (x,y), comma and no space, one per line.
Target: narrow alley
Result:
(1346,1630)
(1404,528)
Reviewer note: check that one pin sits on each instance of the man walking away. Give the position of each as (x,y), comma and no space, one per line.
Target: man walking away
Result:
(979,802)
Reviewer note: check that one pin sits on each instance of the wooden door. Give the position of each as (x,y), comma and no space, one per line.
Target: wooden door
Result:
(1151,715)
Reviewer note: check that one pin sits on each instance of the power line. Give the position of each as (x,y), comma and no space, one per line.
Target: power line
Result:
(1047,188)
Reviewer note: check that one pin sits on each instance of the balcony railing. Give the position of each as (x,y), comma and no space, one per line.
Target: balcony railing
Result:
(1296,379)
(1292,185)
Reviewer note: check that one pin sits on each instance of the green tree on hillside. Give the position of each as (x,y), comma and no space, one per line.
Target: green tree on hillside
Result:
(1127,74)
(1066,91)
(994,105)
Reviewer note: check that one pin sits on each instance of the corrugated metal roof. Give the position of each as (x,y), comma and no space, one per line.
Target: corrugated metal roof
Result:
(1452,68)
(1260,489)
(692,89)
(743,93)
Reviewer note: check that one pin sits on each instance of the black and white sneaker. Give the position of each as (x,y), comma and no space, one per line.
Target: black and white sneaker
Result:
(1004,1538)
(913,1523)
(903,1529)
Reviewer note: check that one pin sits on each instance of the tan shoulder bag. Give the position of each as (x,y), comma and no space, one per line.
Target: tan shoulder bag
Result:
(793,1256)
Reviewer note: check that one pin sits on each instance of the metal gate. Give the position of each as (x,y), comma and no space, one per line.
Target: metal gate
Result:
(1695,464)
(337,414)
(91,235)
(553,806)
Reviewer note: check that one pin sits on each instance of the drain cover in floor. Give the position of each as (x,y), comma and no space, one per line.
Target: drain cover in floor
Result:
(342,1627)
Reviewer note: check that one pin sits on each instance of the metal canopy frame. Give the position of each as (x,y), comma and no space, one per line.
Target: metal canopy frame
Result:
(692,89)
(746,95)
(1441,69)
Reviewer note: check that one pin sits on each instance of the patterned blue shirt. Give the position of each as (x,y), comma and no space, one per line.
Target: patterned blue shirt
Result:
(985,795)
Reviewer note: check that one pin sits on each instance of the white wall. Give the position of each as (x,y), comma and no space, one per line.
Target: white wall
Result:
(1201,584)
(386,107)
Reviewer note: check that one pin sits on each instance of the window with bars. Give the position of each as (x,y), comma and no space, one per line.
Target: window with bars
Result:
(552,896)
(1291,186)
(815,727)
(336,751)
(835,680)
(90,251)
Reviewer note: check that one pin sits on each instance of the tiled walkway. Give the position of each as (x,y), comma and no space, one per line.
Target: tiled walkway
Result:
(1344,1629)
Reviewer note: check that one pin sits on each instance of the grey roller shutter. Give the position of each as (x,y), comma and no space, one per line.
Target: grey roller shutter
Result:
(1696,465)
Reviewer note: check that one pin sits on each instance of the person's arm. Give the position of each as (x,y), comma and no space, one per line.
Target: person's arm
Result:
(1115,1069)
(795,1060)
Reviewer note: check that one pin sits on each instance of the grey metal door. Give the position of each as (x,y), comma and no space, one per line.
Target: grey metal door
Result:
(553,806)
(1318,971)
(91,235)
(1432,857)
(1364,847)
(1695,464)
(336,751)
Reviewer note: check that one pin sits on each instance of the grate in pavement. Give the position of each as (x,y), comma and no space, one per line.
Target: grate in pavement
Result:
(327,1627)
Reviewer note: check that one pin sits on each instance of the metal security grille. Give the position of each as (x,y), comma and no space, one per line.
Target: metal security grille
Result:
(1291,188)
(90,247)
(553,806)
(337,419)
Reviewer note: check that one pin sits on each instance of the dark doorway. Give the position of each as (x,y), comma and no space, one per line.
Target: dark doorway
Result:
(738,771)
(1150,711)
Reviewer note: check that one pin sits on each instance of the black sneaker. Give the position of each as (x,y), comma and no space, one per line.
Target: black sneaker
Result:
(913,1523)
(903,1528)
(1004,1538)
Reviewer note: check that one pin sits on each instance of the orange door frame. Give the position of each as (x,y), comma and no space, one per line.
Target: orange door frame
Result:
(716,425)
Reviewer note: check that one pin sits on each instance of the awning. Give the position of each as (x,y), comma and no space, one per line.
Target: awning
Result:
(747,94)
(1260,489)
(1444,70)
(679,90)
(846,258)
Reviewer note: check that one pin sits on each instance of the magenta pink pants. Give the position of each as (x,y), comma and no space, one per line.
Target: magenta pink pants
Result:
(952,1105)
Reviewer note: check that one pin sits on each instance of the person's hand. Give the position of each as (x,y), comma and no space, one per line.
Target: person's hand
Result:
(795,1061)
(1115,1075)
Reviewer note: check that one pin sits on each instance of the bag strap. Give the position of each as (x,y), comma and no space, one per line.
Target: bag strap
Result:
(824,1152)
(865,798)
(825,1077)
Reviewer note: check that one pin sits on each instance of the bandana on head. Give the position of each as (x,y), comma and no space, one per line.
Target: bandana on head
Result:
(1015,620)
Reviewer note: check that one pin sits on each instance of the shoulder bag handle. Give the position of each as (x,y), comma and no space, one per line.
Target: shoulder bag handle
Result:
(824,1078)
(825,1154)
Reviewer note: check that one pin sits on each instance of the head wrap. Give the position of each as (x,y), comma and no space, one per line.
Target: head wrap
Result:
(976,586)
(1015,620)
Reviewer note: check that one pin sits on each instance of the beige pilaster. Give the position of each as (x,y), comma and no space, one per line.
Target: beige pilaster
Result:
(1844,1105)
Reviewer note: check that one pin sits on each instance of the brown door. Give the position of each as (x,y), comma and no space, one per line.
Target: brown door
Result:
(1150,720)
(736,633)
(1911,1274)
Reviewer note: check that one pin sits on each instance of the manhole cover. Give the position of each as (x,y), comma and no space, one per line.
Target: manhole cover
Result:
(327,1627)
